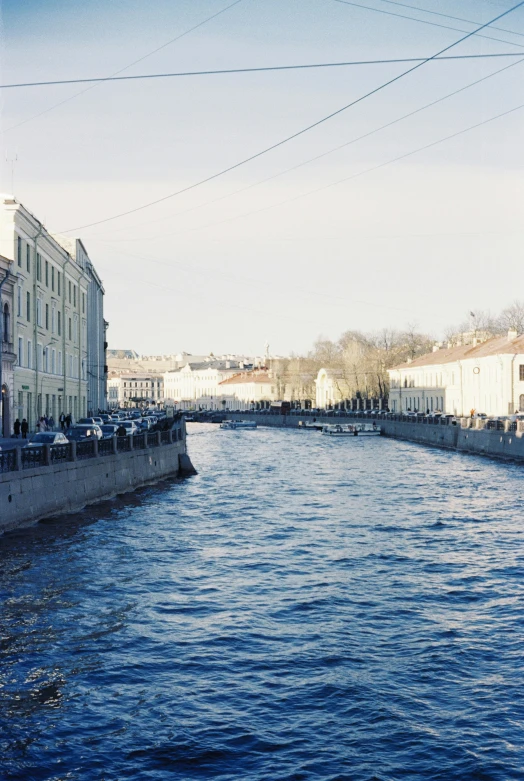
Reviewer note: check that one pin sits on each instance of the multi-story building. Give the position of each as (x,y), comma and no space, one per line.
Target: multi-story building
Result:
(7,354)
(246,390)
(96,368)
(486,377)
(133,390)
(198,384)
(50,317)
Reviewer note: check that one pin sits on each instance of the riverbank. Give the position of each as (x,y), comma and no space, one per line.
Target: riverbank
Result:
(38,483)
(467,436)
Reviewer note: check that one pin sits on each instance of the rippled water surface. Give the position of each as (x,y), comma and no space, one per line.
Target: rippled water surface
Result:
(304,608)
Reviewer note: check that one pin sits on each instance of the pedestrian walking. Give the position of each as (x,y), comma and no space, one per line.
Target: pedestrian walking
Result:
(24,428)
(51,423)
(16,428)
(62,421)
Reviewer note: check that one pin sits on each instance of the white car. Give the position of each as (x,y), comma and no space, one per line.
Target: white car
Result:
(130,427)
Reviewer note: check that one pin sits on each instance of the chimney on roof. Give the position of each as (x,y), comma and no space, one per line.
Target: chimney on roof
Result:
(512,334)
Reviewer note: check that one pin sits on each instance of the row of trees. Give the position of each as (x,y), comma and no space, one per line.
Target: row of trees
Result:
(359,361)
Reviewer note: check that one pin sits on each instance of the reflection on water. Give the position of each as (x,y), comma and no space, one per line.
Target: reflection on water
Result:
(304,608)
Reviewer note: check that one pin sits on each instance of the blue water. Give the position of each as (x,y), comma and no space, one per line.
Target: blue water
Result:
(305,608)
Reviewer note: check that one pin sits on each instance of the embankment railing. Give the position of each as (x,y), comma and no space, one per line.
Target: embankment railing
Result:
(21,458)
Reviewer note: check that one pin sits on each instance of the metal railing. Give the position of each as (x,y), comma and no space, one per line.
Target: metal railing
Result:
(60,453)
(85,449)
(8,461)
(34,457)
(105,447)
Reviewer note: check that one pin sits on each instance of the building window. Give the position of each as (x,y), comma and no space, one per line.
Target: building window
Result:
(39,311)
(29,354)
(19,251)
(75,328)
(52,278)
(6,332)
(19,301)
(20,351)
(47,316)
(74,295)
(69,291)
(59,367)
(58,282)
(53,318)
(46,274)
(38,267)
(28,257)
(521,372)
(59,323)
(70,329)
(83,303)
(28,307)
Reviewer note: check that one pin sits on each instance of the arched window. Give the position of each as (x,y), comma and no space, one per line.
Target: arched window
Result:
(521,402)
(6,325)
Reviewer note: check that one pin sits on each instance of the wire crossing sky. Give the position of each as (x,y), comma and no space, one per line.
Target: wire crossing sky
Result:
(306,129)
(356,197)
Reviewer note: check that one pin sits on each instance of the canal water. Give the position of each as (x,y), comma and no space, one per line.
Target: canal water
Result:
(304,608)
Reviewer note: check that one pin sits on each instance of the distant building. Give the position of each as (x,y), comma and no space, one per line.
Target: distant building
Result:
(486,377)
(328,389)
(247,389)
(135,390)
(197,385)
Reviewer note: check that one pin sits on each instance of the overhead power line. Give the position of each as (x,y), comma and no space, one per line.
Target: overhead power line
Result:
(320,156)
(262,69)
(126,67)
(357,175)
(299,132)
(424,21)
(447,16)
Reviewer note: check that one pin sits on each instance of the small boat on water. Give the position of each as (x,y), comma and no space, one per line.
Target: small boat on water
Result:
(234,424)
(310,425)
(352,430)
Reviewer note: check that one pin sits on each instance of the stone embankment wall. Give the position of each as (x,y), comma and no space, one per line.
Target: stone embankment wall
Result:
(468,436)
(28,495)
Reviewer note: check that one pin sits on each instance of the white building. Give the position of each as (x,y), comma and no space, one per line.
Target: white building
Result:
(7,353)
(244,390)
(486,377)
(328,390)
(134,390)
(198,384)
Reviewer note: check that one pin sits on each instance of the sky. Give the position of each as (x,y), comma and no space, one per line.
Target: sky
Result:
(355,239)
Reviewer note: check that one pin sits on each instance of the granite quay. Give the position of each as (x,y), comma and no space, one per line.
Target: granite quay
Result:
(479,436)
(43,482)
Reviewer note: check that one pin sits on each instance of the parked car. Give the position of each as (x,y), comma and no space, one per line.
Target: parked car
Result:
(47,438)
(109,430)
(81,432)
(130,427)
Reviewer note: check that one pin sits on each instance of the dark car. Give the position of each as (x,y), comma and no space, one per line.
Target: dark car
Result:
(47,438)
(109,430)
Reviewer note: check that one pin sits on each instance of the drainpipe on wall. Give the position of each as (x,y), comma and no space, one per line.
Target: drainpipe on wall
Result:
(35,322)
(2,283)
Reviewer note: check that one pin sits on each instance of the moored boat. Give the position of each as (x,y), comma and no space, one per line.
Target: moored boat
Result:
(351,430)
(234,424)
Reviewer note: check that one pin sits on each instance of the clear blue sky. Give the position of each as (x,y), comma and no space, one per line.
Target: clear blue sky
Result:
(421,241)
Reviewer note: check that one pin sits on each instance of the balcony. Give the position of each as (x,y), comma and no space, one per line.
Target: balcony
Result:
(8,351)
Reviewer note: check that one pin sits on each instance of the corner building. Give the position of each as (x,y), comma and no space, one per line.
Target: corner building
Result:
(49,320)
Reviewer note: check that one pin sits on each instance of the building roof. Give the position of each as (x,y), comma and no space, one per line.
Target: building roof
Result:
(499,345)
(244,378)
